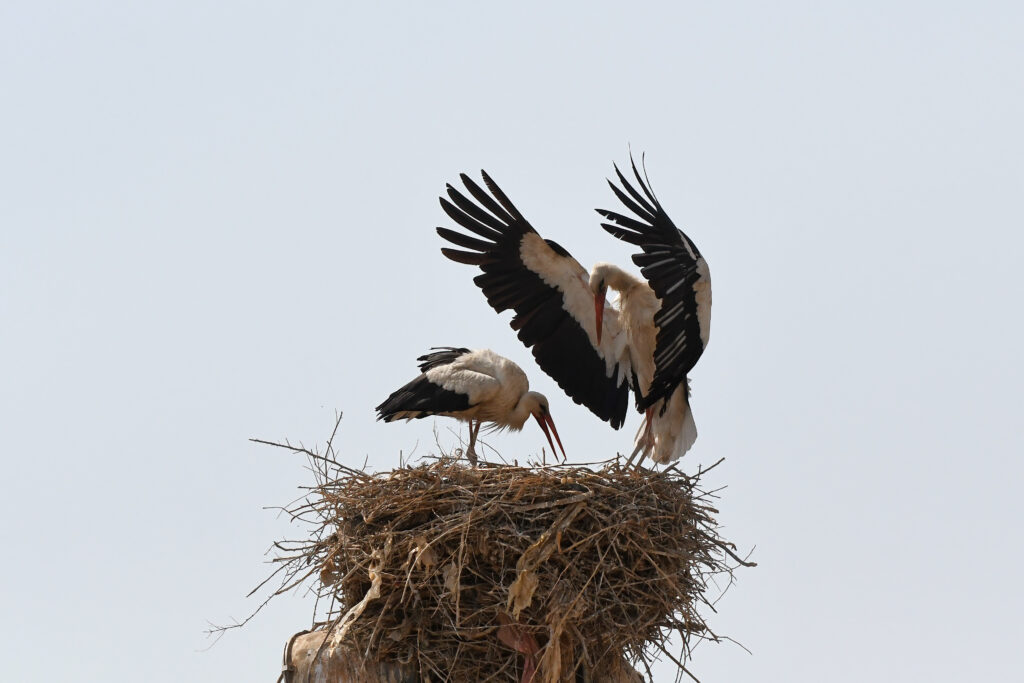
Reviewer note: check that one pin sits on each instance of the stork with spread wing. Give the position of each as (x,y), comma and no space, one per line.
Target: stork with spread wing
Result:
(595,352)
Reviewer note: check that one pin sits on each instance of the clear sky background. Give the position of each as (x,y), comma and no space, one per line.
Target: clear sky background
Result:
(216,223)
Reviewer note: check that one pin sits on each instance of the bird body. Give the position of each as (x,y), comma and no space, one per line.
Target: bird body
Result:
(648,343)
(668,430)
(635,307)
(473,386)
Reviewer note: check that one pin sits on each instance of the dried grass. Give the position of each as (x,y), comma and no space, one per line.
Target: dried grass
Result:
(475,573)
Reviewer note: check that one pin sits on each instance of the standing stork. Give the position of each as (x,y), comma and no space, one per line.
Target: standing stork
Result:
(597,353)
(471,386)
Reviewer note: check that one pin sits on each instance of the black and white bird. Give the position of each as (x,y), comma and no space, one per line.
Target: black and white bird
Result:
(472,386)
(597,353)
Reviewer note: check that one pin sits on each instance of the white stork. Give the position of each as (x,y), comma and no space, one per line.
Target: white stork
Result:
(597,353)
(472,386)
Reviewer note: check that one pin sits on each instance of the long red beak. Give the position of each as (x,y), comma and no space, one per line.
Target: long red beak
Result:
(546,422)
(599,312)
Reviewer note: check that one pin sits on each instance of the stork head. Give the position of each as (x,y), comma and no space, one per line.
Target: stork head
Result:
(599,286)
(540,411)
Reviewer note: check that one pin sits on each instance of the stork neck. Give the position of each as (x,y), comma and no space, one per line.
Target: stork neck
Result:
(615,278)
(524,408)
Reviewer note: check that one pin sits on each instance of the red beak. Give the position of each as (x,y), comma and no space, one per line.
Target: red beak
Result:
(599,312)
(546,422)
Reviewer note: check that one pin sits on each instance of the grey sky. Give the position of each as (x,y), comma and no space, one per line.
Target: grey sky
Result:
(216,222)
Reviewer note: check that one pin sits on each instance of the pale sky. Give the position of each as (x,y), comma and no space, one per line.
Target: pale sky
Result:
(217,222)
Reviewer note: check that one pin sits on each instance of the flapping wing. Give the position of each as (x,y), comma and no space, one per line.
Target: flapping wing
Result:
(546,287)
(677,273)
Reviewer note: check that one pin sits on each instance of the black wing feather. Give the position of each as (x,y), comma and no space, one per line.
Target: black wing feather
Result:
(470,258)
(560,345)
(442,355)
(636,195)
(463,240)
(669,262)
(485,199)
(421,398)
(630,204)
(477,213)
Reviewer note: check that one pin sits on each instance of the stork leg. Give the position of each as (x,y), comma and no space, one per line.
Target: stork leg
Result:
(474,427)
(644,440)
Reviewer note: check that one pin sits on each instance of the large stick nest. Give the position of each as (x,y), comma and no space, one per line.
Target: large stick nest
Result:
(472,574)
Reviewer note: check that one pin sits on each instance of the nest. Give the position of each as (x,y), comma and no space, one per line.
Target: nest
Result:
(482,574)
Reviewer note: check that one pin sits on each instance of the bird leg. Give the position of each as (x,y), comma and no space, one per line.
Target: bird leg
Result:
(644,440)
(471,452)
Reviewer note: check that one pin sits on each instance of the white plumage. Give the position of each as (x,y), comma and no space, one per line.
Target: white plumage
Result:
(668,430)
(597,354)
(472,386)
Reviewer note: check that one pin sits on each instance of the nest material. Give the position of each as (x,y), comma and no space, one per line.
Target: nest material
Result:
(475,574)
